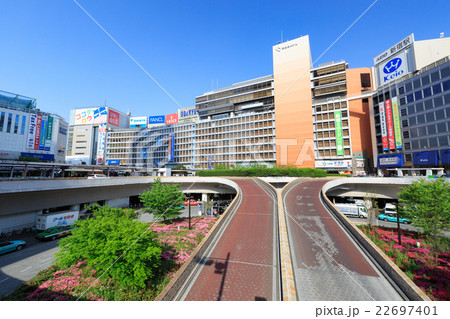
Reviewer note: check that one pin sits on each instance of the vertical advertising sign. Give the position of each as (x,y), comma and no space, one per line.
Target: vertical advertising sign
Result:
(390,125)
(43,134)
(210,163)
(171,147)
(48,139)
(31,131)
(397,129)
(113,118)
(101,143)
(384,136)
(338,128)
(38,132)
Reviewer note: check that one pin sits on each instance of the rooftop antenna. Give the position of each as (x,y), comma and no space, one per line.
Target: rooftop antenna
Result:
(105,102)
(129,112)
(442,35)
(281,36)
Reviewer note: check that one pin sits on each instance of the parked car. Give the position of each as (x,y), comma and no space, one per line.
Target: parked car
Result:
(95,176)
(393,218)
(55,232)
(7,246)
(192,202)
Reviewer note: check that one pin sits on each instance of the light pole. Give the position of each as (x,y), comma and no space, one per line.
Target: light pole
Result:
(189,204)
(398,223)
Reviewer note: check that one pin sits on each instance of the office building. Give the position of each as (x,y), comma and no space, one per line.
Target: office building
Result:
(27,132)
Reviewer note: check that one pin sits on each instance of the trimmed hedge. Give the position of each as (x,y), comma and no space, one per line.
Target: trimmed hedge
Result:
(265,171)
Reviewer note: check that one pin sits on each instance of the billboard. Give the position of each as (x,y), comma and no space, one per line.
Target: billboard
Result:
(100,115)
(31,131)
(156,120)
(384,136)
(425,158)
(390,125)
(43,134)
(398,47)
(113,162)
(138,121)
(101,143)
(188,114)
(171,147)
(397,128)
(38,131)
(393,68)
(338,129)
(395,160)
(113,118)
(172,119)
(334,164)
(48,139)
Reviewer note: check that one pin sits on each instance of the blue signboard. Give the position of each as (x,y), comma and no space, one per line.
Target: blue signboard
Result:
(393,160)
(42,157)
(160,119)
(425,158)
(445,157)
(113,162)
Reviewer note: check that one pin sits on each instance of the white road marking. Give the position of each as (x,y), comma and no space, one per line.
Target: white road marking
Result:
(4,279)
(26,269)
(43,261)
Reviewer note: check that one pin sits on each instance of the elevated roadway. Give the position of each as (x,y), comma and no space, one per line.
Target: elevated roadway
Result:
(243,264)
(327,263)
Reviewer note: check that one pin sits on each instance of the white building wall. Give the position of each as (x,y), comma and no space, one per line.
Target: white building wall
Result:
(429,51)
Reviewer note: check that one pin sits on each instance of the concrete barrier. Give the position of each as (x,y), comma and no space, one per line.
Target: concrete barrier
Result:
(407,286)
(184,274)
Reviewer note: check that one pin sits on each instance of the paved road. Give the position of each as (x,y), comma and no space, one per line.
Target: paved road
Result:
(327,264)
(19,266)
(243,263)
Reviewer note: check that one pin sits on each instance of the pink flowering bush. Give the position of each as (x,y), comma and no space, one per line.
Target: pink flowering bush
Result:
(429,270)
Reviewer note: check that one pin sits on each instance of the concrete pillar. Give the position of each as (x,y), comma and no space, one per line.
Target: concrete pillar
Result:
(399,172)
(379,172)
(429,172)
(12,172)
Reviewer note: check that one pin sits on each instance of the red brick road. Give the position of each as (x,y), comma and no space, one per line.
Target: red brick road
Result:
(241,266)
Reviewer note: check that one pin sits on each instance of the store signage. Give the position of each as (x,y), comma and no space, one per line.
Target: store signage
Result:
(384,136)
(140,121)
(334,164)
(390,160)
(425,158)
(31,131)
(101,143)
(338,129)
(390,125)
(113,162)
(393,68)
(48,139)
(113,118)
(187,114)
(402,45)
(171,147)
(91,115)
(38,132)
(43,134)
(397,128)
(172,119)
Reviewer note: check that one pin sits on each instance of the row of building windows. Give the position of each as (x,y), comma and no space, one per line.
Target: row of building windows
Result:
(232,92)
(10,123)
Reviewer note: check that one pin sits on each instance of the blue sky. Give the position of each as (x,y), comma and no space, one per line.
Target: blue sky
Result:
(52,51)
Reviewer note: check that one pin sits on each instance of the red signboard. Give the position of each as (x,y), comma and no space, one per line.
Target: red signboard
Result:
(113,118)
(38,132)
(172,119)
(390,125)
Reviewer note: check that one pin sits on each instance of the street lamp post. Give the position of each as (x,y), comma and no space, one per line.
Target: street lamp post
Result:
(189,204)
(398,223)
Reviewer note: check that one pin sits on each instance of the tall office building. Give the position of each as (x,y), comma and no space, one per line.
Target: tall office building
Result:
(26,131)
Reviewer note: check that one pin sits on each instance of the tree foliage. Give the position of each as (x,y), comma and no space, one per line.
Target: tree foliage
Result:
(114,243)
(163,200)
(427,204)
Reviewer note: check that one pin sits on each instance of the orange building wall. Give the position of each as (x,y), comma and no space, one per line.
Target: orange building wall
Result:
(293,104)
(361,139)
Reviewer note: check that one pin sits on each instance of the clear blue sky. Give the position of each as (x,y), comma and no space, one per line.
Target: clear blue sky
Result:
(52,51)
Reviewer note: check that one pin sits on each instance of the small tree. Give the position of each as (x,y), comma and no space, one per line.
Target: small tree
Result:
(427,204)
(112,241)
(163,200)
(371,207)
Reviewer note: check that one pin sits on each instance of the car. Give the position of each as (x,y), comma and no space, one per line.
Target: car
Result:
(393,218)
(96,176)
(192,202)
(12,245)
(55,232)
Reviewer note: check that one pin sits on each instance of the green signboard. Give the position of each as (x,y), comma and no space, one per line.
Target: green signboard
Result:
(338,128)
(396,118)
(49,128)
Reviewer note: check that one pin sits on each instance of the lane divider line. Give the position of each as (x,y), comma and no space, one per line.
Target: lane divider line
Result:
(26,269)
(4,280)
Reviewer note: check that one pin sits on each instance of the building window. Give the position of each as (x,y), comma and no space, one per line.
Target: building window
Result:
(8,126)
(16,124)
(427,92)
(437,88)
(2,121)
(438,101)
(407,145)
(445,72)
(408,157)
(365,80)
(418,95)
(405,123)
(405,134)
(408,87)
(22,129)
(410,98)
(416,83)
(402,100)
(403,112)
(401,90)
(435,76)
(446,85)
(426,80)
